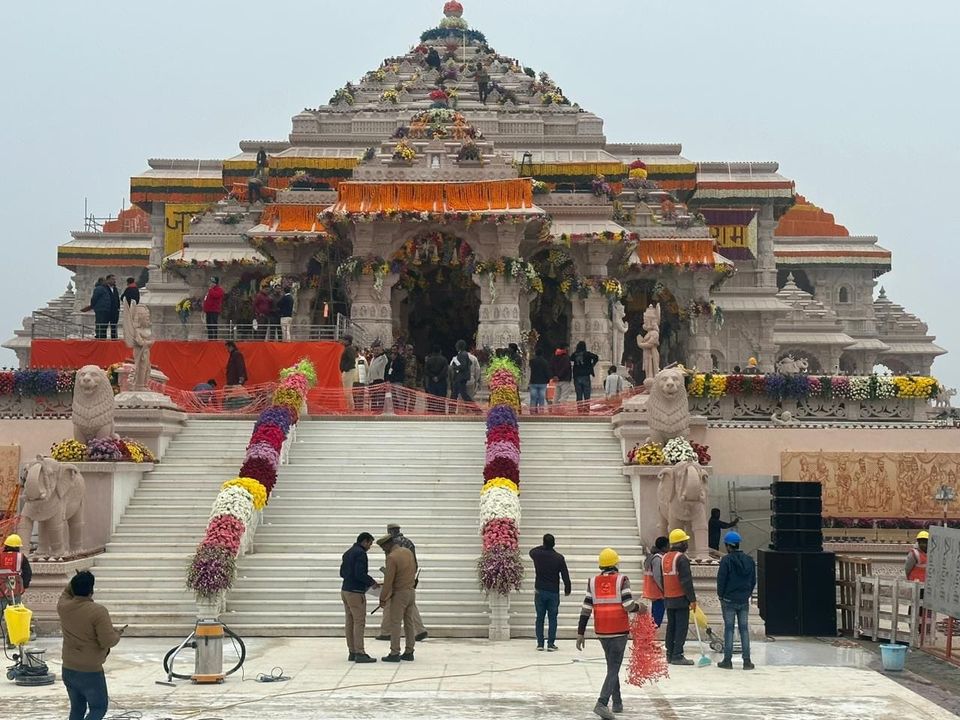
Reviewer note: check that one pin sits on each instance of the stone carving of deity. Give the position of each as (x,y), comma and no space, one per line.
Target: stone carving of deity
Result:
(138,335)
(649,343)
(619,320)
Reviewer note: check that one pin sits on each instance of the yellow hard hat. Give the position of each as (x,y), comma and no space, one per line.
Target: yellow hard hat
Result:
(922,535)
(13,541)
(608,558)
(752,361)
(678,536)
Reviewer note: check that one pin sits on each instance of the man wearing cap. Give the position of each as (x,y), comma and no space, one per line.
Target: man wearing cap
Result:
(916,563)
(15,573)
(736,580)
(393,530)
(609,600)
(353,593)
(399,593)
(679,596)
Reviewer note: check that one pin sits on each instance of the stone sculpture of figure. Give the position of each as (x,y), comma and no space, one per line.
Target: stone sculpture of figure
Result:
(54,493)
(93,405)
(138,335)
(668,411)
(944,397)
(619,320)
(650,343)
(682,499)
(790,366)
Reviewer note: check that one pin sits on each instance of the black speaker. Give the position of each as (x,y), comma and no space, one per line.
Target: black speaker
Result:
(796,489)
(797,592)
(796,522)
(797,540)
(794,505)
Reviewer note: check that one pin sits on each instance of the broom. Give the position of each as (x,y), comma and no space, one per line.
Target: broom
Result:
(704,660)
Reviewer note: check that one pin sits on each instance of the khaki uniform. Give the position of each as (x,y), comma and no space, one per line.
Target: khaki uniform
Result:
(399,593)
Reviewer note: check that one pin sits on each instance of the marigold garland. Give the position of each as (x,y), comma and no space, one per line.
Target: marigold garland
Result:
(500,482)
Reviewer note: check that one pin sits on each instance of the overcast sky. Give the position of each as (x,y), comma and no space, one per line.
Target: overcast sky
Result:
(856,100)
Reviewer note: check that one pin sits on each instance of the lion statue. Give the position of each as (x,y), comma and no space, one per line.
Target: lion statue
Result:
(667,410)
(54,493)
(93,405)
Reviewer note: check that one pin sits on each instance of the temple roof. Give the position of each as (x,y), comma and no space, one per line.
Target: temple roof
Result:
(741,183)
(805,219)
(904,332)
(107,250)
(809,322)
(856,250)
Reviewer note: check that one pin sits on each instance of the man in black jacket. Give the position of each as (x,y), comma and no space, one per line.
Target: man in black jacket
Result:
(583,364)
(435,380)
(111,283)
(550,567)
(353,592)
(736,579)
(236,366)
(102,306)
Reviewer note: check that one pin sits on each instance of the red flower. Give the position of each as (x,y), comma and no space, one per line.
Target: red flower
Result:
(504,433)
(260,470)
(225,531)
(502,467)
(270,434)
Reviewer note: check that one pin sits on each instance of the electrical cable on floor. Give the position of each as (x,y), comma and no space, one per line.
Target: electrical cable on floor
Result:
(276,675)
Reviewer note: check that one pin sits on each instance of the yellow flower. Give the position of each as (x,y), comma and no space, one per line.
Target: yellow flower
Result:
(718,385)
(500,482)
(256,490)
(696,386)
(68,451)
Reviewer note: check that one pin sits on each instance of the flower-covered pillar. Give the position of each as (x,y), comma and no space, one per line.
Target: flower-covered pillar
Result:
(698,346)
(590,320)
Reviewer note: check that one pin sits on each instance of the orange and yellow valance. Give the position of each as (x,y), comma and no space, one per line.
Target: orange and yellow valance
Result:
(147,190)
(71,256)
(673,176)
(674,252)
(281,217)
(357,197)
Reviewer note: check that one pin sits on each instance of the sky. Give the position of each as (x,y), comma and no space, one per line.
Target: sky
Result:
(856,100)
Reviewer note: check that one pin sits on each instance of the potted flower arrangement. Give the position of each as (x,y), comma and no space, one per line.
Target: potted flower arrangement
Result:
(469,152)
(184,308)
(404,152)
(390,96)
(439,98)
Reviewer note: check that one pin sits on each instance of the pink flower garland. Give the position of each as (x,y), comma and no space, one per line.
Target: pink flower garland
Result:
(225,531)
(263,451)
(272,435)
(503,449)
(501,531)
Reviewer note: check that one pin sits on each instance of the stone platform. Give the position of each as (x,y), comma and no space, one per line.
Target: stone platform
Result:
(455,679)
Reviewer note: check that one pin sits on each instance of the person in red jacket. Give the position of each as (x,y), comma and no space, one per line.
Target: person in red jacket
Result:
(212,305)
(262,306)
(609,600)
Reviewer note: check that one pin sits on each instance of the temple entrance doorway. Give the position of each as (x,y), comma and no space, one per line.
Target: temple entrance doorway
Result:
(639,294)
(551,311)
(435,300)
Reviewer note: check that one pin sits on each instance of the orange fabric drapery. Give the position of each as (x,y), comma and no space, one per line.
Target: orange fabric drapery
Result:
(188,363)
(675,252)
(298,218)
(435,197)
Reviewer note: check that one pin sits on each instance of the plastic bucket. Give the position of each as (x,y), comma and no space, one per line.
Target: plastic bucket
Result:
(893,657)
(18,623)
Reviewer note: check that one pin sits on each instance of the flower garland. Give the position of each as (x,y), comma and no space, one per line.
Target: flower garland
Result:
(110,449)
(509,267)
(499,568)
(34,382)
(798,387)
(212,569)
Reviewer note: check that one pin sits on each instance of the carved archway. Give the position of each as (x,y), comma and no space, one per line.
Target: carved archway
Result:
(551,311)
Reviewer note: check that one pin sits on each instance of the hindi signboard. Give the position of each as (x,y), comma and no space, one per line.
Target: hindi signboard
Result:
(942,589)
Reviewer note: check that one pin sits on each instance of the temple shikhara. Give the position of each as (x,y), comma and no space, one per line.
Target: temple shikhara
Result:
(455,193)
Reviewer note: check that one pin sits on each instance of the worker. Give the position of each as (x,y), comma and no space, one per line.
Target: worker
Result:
(736,579)
(609,599)
(916,563)
(653,579)
(679,596)
(15,574)
(714,526)
(400,594)
(393,529)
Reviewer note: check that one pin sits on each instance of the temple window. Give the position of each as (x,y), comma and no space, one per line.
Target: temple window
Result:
(844,295)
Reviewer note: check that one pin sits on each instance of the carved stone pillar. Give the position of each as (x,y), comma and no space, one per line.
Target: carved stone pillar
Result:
(766,262)
(768,348)
(370,308)
(699,345)
(499,311)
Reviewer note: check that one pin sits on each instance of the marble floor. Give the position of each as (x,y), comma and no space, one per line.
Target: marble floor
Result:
(794,680)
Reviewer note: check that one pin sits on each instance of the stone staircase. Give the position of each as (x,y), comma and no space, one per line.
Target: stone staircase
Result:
(346,477)
(140,577)
(572,485)
(350,476)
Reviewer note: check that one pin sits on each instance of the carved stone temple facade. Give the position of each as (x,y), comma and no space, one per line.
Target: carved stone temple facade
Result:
(420,210)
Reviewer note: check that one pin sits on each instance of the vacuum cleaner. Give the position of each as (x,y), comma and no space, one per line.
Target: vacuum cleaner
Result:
(207,642)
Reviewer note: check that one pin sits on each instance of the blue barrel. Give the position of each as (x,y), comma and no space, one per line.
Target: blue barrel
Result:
(893,657)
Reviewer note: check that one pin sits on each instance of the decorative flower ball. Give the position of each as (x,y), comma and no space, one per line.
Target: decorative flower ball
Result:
(453,9)
(679,450)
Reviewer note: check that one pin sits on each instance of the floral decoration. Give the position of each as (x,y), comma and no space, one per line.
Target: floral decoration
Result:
(211,571)
(68,451)
(702,451)
(404,151)
(257,492)
(800,386)
(650,453)
(678,450)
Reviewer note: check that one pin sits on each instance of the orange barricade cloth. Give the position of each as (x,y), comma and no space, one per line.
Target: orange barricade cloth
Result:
(300,218)
(189,363)
(435,197)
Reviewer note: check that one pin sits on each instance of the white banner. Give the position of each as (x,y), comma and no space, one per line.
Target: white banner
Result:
(942,589)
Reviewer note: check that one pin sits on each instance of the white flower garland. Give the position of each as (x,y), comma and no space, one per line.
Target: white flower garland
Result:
(234,501)
(678,450)
(499,502)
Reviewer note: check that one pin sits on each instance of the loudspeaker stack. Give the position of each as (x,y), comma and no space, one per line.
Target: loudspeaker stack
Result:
(796,580)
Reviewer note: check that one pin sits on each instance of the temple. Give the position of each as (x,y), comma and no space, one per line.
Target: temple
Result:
(455,193)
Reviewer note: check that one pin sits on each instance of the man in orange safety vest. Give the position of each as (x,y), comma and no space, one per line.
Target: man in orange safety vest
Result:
(678,595)
(653,579)
(609,600)
(916,563)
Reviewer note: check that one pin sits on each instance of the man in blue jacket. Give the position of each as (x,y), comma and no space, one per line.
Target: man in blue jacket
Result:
(736,580)
(101,302)
(353,592)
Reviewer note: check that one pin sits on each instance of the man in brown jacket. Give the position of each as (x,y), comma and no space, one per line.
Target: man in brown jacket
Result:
(398,592)
(88,636)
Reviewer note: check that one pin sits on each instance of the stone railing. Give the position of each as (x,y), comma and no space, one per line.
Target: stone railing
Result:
(32,406)
(754,407)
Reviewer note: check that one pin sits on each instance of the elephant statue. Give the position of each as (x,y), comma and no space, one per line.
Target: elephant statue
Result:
(54,493)
(682,497)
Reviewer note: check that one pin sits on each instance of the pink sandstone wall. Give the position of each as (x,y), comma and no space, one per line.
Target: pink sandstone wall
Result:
(751,451)
(34,436)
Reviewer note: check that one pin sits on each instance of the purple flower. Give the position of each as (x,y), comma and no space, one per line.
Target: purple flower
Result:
(103,450)
(499,570)
(501,415)
(211,571)
(775,385)
(275,415)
